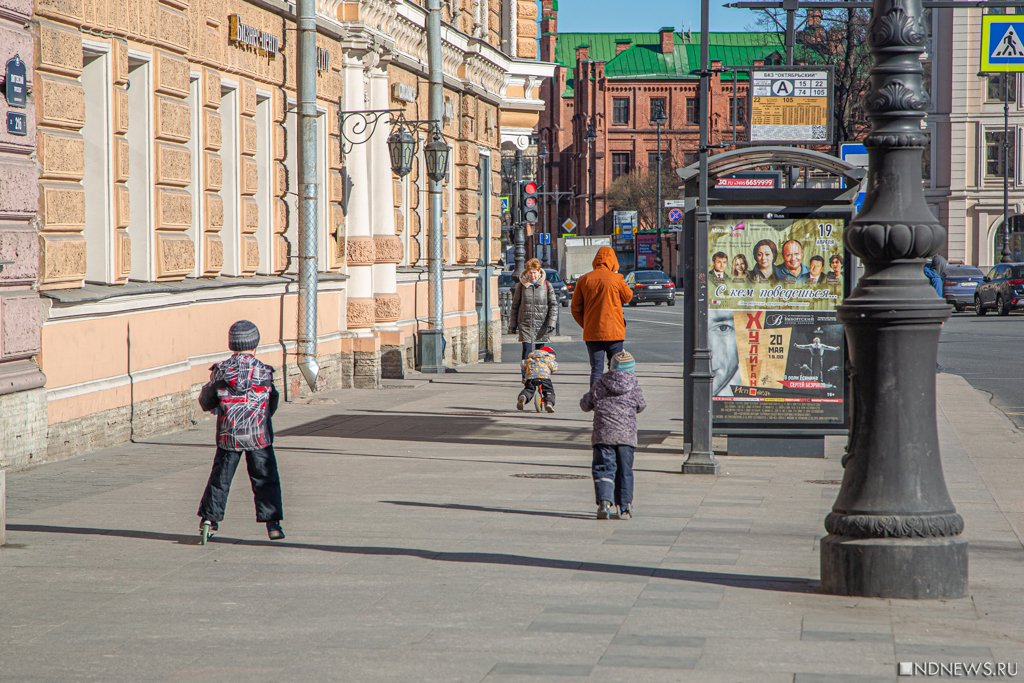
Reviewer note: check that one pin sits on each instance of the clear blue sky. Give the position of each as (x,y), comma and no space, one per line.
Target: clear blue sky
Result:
(647,15)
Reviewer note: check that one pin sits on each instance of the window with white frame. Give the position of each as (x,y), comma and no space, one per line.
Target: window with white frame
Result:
(229,189)
(140,167)
(195,187)
(98,183)
(291,165)
(994,153)
(264,193)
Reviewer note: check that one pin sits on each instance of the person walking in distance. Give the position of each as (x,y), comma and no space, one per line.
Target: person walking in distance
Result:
(615,399)
(534,308)
(597,307)
(241,392)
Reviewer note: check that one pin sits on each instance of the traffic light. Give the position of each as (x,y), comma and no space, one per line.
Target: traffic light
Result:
(528,204)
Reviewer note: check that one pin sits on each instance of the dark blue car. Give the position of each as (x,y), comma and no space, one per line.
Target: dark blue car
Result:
(1002,290)
(959,283)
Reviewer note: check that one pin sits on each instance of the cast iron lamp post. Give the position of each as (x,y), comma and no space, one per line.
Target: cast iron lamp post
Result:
(893,531)
(592,147)
(658,119)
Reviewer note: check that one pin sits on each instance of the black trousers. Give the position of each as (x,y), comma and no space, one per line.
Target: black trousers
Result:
(263,475)
(531,387)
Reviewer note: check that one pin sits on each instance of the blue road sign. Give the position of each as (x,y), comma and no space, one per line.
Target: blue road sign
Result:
(1002,43)
(543,238)
(857,154)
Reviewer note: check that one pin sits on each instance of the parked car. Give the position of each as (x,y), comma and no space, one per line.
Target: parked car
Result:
(1002,290)
(563,293)
(653,286)
(959,284)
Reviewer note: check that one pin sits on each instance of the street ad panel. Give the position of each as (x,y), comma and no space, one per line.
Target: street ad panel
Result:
(791,105)
(777,346)
(645,250)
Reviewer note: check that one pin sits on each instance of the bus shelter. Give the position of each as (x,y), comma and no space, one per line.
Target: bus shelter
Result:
(777,270)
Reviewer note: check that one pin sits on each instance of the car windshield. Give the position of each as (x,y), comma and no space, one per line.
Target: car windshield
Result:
(552,275)
(1018,272)
(650,276)
(963,271)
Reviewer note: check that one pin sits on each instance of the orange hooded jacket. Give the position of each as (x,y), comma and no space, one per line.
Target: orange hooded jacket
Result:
(598,299)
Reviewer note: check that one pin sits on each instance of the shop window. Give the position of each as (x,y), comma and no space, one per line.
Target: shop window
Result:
(99,231)
(140,169)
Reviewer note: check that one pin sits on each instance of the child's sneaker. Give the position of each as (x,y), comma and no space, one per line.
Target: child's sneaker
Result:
(604,510)
(521,402)
(625,513)
(274,531)
(550,407)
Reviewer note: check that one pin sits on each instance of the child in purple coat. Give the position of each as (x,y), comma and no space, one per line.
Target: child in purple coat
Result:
(616,399)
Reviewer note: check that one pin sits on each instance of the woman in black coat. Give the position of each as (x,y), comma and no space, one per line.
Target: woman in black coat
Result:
(534,308)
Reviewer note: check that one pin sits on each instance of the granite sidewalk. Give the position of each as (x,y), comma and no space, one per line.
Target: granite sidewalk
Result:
(435,533)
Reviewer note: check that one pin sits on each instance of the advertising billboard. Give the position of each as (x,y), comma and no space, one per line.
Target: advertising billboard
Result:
(778,351)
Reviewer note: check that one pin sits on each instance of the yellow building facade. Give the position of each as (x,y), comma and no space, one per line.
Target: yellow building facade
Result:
(167,154)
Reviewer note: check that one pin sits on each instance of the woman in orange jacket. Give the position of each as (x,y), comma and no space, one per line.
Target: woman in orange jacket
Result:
(597,305)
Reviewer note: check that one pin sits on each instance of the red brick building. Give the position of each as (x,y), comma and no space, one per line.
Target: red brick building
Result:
(612,83)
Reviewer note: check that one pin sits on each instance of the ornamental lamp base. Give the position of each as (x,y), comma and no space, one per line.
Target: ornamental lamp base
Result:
(912,568)
(431,352)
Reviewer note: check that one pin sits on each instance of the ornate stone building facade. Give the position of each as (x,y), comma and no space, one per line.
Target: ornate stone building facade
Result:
(22,399)
(167,196)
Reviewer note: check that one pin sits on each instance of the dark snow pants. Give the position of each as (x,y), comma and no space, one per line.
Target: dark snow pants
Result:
(266,484)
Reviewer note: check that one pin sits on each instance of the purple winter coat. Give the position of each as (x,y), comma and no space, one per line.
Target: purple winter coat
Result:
(616,398)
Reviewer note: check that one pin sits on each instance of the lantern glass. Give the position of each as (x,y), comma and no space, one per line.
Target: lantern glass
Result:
(436,156)
(402,148)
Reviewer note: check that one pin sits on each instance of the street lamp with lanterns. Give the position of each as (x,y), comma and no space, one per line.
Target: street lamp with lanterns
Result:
(658,118)
(592,191)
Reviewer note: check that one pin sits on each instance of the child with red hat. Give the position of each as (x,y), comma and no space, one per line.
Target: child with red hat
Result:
(537,370)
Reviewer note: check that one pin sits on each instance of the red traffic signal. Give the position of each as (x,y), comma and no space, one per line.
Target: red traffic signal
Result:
(528,201)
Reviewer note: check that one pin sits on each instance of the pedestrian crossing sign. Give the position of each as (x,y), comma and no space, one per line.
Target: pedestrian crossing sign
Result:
(1002,43)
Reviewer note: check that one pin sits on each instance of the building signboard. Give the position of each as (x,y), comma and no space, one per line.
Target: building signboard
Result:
(792,105)
(778,351)
(15,85)
(403,92)
(751,180)
(251,38)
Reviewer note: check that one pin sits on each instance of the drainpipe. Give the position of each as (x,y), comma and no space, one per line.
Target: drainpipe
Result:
(433,345)
(307,333)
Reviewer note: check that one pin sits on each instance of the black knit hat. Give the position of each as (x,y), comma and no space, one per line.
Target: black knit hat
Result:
(243,336)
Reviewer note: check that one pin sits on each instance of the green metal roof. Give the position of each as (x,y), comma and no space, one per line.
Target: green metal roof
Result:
(644,59)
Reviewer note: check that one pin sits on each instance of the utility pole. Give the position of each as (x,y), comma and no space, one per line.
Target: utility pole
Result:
(701,458)
(433,350)
(519,236)
(308,285)
(1007,258)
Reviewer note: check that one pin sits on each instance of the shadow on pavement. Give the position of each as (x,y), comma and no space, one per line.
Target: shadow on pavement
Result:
(481,508)
(469,429)
(783,584)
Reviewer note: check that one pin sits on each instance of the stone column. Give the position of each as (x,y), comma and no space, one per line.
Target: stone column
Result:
(359,247)
(23,412)
(387,245)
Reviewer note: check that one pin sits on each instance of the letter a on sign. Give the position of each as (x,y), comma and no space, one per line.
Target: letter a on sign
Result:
(1002,43)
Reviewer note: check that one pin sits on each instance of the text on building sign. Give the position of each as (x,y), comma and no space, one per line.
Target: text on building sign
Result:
(252,38)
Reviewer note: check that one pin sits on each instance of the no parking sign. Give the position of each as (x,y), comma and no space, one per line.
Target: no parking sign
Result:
(675,215)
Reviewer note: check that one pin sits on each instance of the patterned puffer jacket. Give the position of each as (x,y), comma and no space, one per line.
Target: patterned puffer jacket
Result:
(241,391)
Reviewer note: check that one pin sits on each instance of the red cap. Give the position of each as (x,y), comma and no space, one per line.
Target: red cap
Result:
(547,349)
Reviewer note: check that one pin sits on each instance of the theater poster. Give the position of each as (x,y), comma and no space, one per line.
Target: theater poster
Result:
(778,351)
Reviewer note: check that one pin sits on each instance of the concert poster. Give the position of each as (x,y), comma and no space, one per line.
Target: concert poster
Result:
(778,350)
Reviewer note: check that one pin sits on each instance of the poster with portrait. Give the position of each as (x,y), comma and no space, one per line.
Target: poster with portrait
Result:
(778,351)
